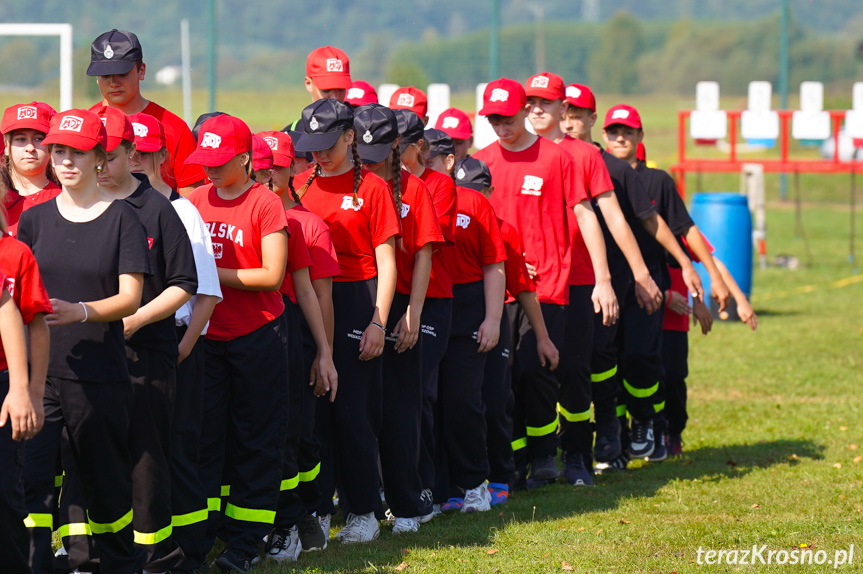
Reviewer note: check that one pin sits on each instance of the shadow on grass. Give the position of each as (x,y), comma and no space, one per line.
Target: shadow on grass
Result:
(555,502)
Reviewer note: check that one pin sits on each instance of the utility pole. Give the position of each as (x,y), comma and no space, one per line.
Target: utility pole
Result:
(212,56)
(494,42)
(783,79)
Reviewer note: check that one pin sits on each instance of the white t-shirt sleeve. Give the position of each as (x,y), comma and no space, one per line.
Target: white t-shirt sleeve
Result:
(202,247)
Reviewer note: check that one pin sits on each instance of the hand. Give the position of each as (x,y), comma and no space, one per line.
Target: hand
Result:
(131,325)
(372,343)
(324,377)
(18,411)
(701,314)
(720,292)
(488,335)
(185,350)
(407,331)
(747,314)
(548,353)
(693,282)
(605,300)
(648,294)
(679,303)
(531,270)
(64,313)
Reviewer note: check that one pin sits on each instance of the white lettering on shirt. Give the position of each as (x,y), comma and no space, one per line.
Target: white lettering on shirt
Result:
(225,231)
(462,220)
(405,210)
(348,202)
(532,185)
(10,286)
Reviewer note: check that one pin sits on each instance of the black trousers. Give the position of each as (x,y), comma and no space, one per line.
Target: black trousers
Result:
(675,353)
(499,402)
(399,438)
(188,498)
(435,333)
(348,428)
(461,421)
(576,434)
(536,387)
(291,509)
(13,549)
(604,376)
(309,455)
(96,417)
(244,424)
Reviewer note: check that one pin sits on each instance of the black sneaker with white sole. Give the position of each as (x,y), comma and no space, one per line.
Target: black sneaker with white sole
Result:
(575,470)
(641,443)
(660,450)
(311,536)
(231,560)
(619,464)
(543,469)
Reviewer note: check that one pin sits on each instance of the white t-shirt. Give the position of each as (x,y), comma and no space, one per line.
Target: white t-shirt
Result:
(202,247)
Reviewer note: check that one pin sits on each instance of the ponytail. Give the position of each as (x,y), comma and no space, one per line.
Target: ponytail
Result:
(294,195)
(302,191)
(397,178)
(358,171)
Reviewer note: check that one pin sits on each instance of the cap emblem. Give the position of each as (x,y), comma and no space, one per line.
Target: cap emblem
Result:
(573,92)
(460,174)
(334,65)
(72,124)
(405,100)
(272,142)
(499,95)
(313,123)
(141,130)
(368,137)
(539,82)
(356,93)
(27,113)
(211,140)
(450,122)
(620,114)
(109,52)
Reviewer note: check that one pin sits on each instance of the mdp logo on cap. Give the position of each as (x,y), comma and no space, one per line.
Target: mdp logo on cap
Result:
(211,140)
(450,122)
(335,65)
(499,95)
(272,142)
(27,113)
(620,114)
(71,124)
(140,130)
(539,82)
(355,94)
(573,92)
(406,100)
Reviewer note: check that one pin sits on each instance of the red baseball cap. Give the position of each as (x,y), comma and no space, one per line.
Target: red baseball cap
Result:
(262,155)
(455,123)
(149,132)
(219,140)
(34,116)
(329,68)
(503,97)
(410,98)
(282,147)
(117,126)
(361,93)
(78,129)
(624,115)
(580,96)
(546,86)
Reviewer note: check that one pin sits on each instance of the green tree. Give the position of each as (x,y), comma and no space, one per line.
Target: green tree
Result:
(614,66)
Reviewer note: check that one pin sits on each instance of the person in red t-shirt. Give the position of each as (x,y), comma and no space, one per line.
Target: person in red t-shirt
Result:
(456,124)
(360,210)
(324,266)
(437,312)
(117,61)
(328,74)
(537,186)
(24,169)
(399,437)
(245,341)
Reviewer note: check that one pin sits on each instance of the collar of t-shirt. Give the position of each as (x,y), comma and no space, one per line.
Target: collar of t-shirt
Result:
(174,195)
(641,166)
(139,198)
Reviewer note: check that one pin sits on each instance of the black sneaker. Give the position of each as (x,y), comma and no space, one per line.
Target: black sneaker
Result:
(660,450)
(519,479)
(231,560)
(311,536)
(619,464)
(575,471)
(607,446)
(641,445)
(543,469)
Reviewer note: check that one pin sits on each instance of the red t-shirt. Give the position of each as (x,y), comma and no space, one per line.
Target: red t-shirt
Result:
(17,204)
(671,321)
(590,168)
(517,277)
(236,227)
(298,257)
(355,231)
(533,190)
(180,143)
(419,227)
(478,240)
(442,189)
(21,278)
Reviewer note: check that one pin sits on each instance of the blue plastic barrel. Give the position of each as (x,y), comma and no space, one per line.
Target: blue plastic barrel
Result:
(723,217)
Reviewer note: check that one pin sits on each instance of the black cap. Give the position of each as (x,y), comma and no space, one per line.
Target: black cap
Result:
(323,122)
(439,143)
(295,130)
(377,128)
(472,173)
(114,52)
(411,127)
(201,119)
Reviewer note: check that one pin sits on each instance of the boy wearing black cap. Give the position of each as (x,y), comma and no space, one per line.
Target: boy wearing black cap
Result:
(117,61)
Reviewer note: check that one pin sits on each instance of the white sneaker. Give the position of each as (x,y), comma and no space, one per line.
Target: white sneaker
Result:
(403,525)
(360,528)
(436,511)
(325,524)
(283,545)
(477,499)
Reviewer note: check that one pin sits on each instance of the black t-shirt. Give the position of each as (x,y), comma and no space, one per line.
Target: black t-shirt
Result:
(83,262)
(669,205)
(171,261)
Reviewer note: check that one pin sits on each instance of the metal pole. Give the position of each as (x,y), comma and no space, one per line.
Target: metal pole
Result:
(540,39)
(185,51)
(494,42)
(783,79)
(212,56)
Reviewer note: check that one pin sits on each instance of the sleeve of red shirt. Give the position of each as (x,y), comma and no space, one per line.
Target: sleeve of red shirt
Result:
(691,253)
(298,251)
(517,277)
(325,262)
(384,220)
(574,184)
(427,228)
(271,213)
(491,247)
(596,174)
(31,295)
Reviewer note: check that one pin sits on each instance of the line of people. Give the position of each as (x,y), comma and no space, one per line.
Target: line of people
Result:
(226,337)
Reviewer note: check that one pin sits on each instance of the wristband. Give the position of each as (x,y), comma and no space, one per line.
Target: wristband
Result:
(86,315)
(379,326)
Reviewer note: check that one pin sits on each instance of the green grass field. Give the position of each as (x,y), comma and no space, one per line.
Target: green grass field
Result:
(774,446)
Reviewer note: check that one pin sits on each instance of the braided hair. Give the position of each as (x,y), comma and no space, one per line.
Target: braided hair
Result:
(358,170)
(302,191)
(396,166)
(294,195)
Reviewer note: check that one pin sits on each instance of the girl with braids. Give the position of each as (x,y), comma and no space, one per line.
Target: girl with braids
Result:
(364,224)
(324,266)
(399,439)
(24,169)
